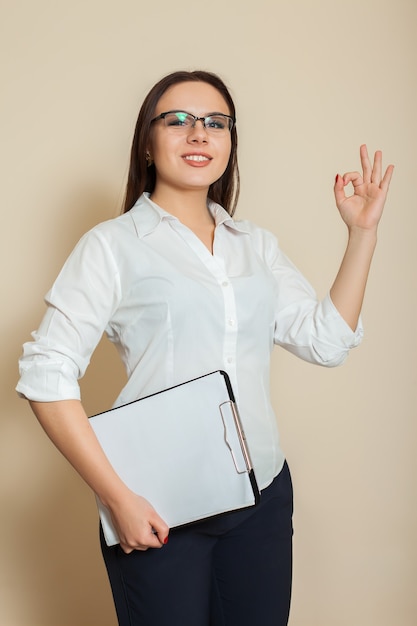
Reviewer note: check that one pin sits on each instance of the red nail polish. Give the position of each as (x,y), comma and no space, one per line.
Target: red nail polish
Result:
(165,540)
(337,178)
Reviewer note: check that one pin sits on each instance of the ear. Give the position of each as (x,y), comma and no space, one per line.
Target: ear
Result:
(148,158)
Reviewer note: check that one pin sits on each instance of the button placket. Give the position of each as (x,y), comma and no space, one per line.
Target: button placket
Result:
(216,266)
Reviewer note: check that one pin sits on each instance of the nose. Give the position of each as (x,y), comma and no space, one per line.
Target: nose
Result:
(197,132)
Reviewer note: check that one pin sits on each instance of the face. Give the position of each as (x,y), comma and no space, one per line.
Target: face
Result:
(194,159)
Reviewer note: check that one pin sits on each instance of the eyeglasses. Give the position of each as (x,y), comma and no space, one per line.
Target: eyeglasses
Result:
(182,122)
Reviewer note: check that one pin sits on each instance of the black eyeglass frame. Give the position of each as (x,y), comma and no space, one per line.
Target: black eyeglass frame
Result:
(232,120)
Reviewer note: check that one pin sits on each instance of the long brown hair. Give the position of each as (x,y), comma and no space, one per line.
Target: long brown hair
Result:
(224,191)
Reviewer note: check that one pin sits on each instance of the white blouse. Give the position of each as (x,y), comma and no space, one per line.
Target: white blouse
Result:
(175,312)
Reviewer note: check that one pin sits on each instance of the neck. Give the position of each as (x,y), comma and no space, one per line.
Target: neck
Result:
(190,207)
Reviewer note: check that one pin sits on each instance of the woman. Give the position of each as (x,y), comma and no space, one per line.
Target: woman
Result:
(182,290)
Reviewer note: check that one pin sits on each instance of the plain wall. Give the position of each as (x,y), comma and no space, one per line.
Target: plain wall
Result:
(312,81)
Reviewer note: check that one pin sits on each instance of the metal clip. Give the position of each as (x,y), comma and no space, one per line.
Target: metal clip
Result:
(234,437)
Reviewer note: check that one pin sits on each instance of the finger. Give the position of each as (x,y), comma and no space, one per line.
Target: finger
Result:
(377,168)
(339,190)
(387,178)
(142,543)
(366,164)
(353,177)
(126,549)
(160,530)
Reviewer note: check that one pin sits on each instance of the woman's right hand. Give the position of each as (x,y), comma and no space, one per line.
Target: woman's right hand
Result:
(138,524)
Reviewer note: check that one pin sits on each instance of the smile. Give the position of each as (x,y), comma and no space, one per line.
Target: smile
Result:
(196,157)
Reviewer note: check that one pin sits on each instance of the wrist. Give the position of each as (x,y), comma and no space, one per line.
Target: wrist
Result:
(365,235)
(114,494)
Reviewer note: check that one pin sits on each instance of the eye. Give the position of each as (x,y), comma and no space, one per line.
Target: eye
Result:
(216,122)
(178,118)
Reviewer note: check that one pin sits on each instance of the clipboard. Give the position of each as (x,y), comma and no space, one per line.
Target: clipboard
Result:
(183,449)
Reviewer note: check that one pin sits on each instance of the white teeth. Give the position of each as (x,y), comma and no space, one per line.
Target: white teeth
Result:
(196,157)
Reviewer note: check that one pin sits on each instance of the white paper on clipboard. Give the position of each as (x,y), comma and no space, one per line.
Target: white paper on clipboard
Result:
(183,449)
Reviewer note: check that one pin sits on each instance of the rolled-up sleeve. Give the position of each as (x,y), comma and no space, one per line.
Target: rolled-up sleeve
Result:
(79,307)
(311,329)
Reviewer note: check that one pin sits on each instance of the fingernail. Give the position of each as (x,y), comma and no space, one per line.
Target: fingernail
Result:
(165,541)
(337,178)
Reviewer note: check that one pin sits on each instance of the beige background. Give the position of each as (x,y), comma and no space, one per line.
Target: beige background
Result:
(312,80)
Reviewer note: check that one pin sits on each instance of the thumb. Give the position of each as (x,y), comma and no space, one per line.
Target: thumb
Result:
(339,190)
(159,528)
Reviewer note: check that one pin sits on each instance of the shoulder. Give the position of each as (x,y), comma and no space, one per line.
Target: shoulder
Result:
(108,236)
(101,248)
(113,228)
(138,221)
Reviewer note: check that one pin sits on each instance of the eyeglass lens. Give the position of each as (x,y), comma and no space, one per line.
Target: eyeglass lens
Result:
(180,120)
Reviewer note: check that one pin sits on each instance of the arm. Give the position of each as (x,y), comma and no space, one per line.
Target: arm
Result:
(66,424)
(361,213)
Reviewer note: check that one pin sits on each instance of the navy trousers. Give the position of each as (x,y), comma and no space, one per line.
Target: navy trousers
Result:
(231,570)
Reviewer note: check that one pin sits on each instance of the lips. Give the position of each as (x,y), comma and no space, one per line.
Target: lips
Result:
(197,158)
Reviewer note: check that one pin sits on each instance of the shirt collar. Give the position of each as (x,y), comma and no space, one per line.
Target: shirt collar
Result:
(221,216)
(147,216)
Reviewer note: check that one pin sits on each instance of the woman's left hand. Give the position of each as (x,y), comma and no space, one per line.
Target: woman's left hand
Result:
(363,209)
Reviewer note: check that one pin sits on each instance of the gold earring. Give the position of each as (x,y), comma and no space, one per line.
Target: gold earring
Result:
(148,157)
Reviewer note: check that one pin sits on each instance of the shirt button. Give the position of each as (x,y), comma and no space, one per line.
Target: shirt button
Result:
(229,359)
(231,322)
(225,283)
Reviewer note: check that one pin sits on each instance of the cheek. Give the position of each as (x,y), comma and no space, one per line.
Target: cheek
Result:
(226,154)
(162,151)
(161,143)
(155,147)
(228,149)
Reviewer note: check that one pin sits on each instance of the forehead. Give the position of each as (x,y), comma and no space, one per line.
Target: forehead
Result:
(194,97)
